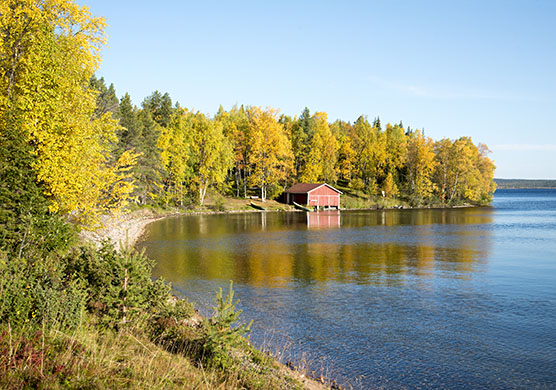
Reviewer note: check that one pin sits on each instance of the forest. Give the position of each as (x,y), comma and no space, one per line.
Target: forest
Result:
(249,150)
(71,151)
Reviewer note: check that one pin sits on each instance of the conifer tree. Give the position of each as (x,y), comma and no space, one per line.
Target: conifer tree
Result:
(149,169)
(27,228)
(107,101)
(160,107)
(129,136)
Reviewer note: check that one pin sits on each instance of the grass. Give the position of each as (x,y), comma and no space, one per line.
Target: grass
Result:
(89,357)
(355,199)
(126,332)
(214,202)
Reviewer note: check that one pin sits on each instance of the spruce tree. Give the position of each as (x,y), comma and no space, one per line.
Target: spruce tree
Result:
(130,132)
(26,226)
(107,101)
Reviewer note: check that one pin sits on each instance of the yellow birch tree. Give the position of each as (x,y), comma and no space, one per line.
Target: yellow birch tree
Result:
(211,154)
(49,51)
(236,129)
(323,149)
(174,143)
(270,156)
(420,164)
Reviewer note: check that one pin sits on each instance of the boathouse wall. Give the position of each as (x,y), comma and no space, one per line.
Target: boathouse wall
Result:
(313,195)
(324,196)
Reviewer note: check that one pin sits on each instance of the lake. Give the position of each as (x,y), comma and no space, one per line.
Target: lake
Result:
(394,299)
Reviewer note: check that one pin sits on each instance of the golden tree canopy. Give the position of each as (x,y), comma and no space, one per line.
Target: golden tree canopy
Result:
(49,51)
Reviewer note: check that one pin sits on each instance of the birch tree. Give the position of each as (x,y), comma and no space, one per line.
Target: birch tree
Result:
(270,156)
(420,164)
(323,152)
(211,154)
(49,51)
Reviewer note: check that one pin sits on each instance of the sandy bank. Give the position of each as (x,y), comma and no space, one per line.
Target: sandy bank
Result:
(124,229)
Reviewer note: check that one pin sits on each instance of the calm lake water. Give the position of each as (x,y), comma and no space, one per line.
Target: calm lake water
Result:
(397,299)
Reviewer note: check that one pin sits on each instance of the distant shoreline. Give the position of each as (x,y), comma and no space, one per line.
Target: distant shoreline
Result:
(524,184)
(526,188)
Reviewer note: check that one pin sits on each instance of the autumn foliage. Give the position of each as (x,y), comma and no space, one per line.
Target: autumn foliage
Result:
(71,150)
(50,50)
(92,152)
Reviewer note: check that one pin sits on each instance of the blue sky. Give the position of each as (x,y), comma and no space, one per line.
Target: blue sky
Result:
(485,69)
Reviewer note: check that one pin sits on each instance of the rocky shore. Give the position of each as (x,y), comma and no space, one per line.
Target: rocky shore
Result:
(123,229)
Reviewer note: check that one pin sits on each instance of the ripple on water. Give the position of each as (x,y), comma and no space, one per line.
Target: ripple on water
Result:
(451,299)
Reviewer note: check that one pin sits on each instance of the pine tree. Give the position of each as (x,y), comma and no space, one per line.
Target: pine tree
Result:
(149,169)
(160,107)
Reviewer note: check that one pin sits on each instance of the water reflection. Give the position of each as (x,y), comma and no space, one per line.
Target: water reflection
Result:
(276,249)
(450,299)
(323,219)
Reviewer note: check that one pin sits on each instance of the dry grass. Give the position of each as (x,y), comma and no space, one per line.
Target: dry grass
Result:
(91,358)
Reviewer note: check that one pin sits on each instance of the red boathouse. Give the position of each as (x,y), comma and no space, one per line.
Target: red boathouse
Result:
(320,195)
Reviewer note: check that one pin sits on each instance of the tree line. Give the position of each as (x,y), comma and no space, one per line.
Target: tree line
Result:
(524,183)
(249,150)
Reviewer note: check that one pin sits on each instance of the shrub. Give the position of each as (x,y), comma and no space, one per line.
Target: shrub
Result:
(56,290)
(220,336)
(119,285)
(219,203)
(35,292)
(15,304)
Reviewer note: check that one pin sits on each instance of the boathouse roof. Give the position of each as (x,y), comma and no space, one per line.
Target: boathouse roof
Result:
(305,188)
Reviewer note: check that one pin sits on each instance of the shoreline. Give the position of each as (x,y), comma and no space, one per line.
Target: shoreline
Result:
(127,229)
(123,230)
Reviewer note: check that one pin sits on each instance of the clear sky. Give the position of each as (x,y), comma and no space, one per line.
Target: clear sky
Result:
(485,69)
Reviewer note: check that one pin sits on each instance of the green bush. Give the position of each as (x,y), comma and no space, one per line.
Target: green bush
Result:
(57,289)
(220,203)
(35,292)
(119,285)
(16,305)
